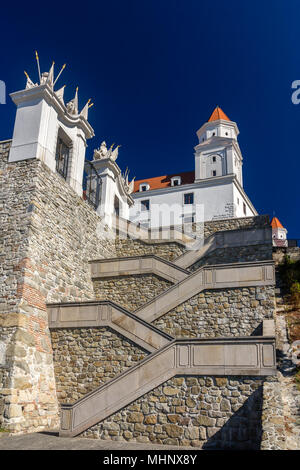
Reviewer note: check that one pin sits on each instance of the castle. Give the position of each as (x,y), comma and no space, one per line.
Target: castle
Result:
(216,183)
(107,331)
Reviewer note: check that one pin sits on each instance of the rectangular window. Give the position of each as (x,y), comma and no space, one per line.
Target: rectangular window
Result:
(214,173)
(244,208)
(144,188)
(62,158)
(189,198)
(145,205)
(175,183)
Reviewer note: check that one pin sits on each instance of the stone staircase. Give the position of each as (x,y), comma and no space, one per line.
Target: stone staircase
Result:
(230,356)
(220,356)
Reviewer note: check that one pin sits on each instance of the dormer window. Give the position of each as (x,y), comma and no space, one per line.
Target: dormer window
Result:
(176,181)
(144,186)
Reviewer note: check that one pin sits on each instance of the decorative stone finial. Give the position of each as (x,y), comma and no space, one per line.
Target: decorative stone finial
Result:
(72,106)
(101,152)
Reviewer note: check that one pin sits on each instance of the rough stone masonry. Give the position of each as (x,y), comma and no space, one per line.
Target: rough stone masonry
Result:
(48,236)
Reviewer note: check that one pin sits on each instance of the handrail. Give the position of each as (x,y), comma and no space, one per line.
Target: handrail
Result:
(131,265)
(251,356)
(224,239)
(220,276)
(107,313)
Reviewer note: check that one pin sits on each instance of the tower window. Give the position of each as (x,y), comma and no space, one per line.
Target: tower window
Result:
(62,158)
(214,173)
(189,198)
(145,205)
(214,159)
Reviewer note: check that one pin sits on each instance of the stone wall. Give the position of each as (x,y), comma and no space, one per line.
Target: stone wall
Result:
(131,292)
(273,425)
(167,250)
(206,412)
(48,234)
(279,253)
(6,353)
(215,313)
(235,224)
(235,255)
(85,358)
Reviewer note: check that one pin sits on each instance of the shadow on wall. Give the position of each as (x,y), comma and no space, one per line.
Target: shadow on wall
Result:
(243,431)
(258,331)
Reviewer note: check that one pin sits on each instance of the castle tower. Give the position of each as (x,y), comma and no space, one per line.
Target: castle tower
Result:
(48,129)
(278,233)
(218,153)
(107,189)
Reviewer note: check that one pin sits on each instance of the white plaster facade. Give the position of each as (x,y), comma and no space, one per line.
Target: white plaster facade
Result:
(41,119)
(217,186)
(114,198)
(47,129)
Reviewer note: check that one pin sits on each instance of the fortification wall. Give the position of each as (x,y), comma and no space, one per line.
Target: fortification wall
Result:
(235,224)
(48,234)
(205,412)
(279,254)
(85,358)
(128,247)
(235,255)
(215,313)
(131,292)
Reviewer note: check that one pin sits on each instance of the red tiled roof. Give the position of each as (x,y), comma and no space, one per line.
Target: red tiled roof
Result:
(164,181)
(275,223)
(218,113)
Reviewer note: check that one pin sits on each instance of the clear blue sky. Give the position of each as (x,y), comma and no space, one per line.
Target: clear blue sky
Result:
(156,70)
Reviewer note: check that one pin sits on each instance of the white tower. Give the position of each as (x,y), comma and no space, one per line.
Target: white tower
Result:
(278,233)
(107,189)
(48,129)
(218,152)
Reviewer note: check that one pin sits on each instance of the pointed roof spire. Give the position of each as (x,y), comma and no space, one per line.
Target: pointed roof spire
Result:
(275,223)
(29,83)
(72,105)
(85,110)
(217,114)
(60,93)
(51,75)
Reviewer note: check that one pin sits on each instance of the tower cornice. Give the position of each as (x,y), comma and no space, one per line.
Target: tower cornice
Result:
(212,124)
(48,94)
